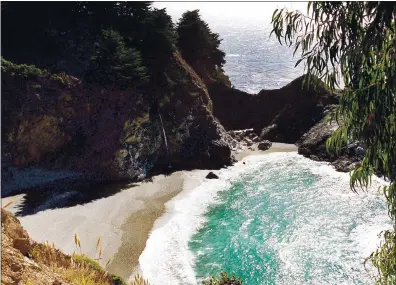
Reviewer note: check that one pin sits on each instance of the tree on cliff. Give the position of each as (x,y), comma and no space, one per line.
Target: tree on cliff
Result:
(198,45)
(65,36)
(115,65)
(355,43)
(158,40)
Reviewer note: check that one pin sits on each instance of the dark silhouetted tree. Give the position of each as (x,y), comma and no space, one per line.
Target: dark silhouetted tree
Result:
(113,64)
(198,44)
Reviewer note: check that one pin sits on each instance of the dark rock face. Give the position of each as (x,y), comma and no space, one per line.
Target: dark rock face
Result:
(269,132)
(314,141)
(264,145)
(111,133)
(313,146)
(211,175)
(286,113)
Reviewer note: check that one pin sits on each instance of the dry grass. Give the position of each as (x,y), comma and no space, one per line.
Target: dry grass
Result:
(74,269)
(83,274)
(138,280)
(77,269)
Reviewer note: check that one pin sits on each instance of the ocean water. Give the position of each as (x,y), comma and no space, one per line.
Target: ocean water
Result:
(254,60)
(278,219)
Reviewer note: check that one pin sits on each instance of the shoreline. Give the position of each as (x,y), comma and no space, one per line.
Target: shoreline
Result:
(124,220)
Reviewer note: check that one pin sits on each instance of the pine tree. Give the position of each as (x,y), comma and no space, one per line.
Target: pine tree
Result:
(115,65)
(198,45)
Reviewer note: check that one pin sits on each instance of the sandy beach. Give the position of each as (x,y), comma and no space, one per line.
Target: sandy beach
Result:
(123,220)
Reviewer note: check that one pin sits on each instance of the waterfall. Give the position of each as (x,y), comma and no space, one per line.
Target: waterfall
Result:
(165,140)
(130,156)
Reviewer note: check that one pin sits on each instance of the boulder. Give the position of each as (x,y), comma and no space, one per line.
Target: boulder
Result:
(345,164)
(264,145)
(313,145)
(314,141)
(211,175)
(314,157)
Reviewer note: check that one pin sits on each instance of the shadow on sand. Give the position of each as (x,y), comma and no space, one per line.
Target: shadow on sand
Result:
(67,194)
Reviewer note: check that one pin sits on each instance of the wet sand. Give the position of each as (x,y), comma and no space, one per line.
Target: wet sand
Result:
(276,147)
(123,220)
(137,227)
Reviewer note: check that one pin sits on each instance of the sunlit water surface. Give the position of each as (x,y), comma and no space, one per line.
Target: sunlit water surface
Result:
(279,219)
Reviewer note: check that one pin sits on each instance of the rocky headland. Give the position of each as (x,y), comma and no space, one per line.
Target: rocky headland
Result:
(281,115)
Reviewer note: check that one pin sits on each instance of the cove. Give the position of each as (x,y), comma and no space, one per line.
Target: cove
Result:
(279,219)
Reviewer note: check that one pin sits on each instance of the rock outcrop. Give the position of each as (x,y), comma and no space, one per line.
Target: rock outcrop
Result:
(211,175)
(281,115)
(16,265)
(24,261)
(56,122)
(313,145)
(264,145)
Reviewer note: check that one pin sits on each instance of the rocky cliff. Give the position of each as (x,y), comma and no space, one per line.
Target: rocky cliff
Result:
(285,114)
(55,121)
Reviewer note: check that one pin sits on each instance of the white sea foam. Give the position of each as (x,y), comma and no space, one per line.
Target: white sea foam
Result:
(168,260)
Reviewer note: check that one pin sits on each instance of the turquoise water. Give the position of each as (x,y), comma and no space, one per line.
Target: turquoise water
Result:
(282,224)
(280,218)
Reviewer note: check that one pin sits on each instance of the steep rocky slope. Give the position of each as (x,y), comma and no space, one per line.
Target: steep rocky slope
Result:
(16,266)
(285,113)
(57,122)
(25,262)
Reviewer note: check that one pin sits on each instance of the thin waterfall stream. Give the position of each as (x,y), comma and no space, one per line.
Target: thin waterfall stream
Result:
(165,140)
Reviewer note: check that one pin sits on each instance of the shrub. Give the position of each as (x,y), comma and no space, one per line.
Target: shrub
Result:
(21,70)
(224,280)
(117,280)
(56,77)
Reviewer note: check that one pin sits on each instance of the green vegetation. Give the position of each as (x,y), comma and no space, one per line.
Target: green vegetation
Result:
(77,270)
(224,280)
(21,70)
(113,64)
(198,45)
(36,137)
(56,77)
(131,128)
(121,44)
(157,43)
(355,43)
